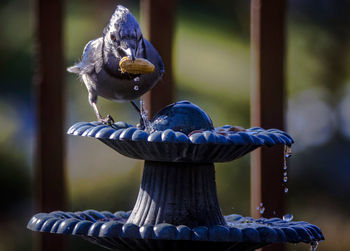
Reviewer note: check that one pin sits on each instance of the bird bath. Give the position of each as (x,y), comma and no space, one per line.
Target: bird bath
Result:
(177,206)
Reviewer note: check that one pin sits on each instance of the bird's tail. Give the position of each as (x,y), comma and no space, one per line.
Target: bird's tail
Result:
(74,69)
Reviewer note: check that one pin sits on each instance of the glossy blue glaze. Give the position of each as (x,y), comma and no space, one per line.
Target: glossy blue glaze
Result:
(236,234)
(182,116)
(131,231)
(147,232)
(201,146)
(165,231)
(200,233)
(219,233)
(239,229)
(184,232)
(251,235)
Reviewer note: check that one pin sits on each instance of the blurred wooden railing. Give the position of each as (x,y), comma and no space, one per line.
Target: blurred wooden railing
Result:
(50,140)
(267,99)
(267,106)
(159,18)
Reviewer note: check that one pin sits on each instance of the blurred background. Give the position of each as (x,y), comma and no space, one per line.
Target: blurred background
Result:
(212,69)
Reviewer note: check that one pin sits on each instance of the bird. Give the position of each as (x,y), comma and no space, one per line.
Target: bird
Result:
(99,66)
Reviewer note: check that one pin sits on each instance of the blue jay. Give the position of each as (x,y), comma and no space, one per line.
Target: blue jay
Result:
(99,66)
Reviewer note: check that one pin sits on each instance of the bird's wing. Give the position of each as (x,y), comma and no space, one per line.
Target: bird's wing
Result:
(91,56)
(141,50)
(153,56)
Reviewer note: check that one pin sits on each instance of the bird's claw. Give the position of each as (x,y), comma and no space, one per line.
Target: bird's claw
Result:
(107,120)
(140,126)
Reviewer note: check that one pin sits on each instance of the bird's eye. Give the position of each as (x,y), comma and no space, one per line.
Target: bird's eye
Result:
(113,38)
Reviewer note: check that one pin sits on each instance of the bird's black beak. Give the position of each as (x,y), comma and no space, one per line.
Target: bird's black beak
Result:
(129,52)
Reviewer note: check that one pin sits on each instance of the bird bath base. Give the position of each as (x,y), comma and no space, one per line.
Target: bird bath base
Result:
(177,193)
(113,232)
(177,206)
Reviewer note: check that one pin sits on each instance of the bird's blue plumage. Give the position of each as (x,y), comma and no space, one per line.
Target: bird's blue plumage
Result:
(99,66)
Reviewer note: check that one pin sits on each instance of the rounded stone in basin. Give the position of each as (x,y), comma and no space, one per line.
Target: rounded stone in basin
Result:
(182,116)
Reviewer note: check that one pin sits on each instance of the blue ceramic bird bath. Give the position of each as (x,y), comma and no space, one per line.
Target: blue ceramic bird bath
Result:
(177,206)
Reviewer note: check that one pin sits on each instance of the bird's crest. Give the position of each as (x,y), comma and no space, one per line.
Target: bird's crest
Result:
(120,17)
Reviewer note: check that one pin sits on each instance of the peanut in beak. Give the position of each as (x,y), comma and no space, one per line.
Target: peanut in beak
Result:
(139,66)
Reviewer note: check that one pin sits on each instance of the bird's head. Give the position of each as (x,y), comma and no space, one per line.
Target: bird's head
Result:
(122,36)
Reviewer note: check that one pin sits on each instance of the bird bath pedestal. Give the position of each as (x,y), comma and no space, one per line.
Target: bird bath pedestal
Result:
(177,206)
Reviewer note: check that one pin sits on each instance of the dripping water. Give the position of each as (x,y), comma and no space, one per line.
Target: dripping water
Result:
(314,245)
(144,116)
(286,154)
(260,208)
(136,87)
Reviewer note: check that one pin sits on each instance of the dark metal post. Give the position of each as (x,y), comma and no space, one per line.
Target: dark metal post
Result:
(158,18)
(267,104)
(49,169)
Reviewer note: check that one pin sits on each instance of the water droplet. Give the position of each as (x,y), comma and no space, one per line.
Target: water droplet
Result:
(136,79)
(287,217)
(274,212)
(136,87)
(144,116)
(287,151)
(287,154)
(286,190)
(285,174)
(314,245)
(285,179)
(261,208)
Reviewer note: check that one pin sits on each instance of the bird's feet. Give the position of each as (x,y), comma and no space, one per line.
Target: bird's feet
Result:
(141,125)
(107,120)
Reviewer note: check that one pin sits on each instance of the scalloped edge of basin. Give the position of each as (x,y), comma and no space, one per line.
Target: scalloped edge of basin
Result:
(112,231)
(173,146)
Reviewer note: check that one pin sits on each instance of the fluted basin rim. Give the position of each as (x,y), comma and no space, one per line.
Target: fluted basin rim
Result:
(124,131)
(173,146)
(94,224)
